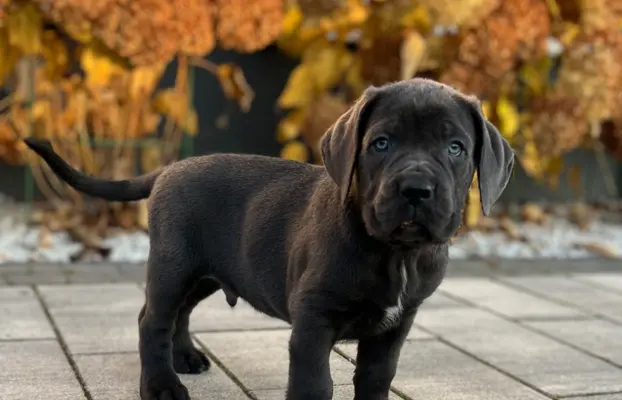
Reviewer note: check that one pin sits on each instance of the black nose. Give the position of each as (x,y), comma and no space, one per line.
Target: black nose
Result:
(417,191)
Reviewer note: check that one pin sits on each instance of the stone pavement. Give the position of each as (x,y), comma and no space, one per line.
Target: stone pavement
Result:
(497,332)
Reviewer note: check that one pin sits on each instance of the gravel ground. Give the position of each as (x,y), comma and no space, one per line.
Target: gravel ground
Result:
(556,239)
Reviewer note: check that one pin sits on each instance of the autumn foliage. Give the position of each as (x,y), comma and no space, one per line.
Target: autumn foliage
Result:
(548,72)
(79,72)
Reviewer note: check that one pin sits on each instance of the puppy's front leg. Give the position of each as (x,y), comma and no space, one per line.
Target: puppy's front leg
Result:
(376,361)
(310,345)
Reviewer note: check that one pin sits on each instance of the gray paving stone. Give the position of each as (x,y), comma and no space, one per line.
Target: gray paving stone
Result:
(611,281)
(545,363)
(613,396)
(21,315)
(133,272)
(36,370)
(99,318)
(599,337)
(214,314)
(3,281)
(438,300)
(504,300)
(417,334)
(342,392)
(51,277)
(574,292)
(116,377)
(260,360)
(91,273)
(432,370)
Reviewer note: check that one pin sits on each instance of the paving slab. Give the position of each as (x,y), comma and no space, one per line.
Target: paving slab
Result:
(504,300)
(552,367)
(344,392)
(611,281)
(612,396)
(116,377)
(91,273)
(432,370)
(214,314)
(101,318)
(599,337)
(21,315)
(439,300)
(571,292)
(260,360)
(36,370)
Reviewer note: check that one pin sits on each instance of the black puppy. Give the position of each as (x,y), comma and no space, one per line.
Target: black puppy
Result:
(349,251)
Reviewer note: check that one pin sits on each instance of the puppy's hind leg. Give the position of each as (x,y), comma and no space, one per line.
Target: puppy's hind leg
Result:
(187,359)
(169,279)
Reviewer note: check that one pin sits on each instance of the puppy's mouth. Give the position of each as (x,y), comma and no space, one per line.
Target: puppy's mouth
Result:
(408,224)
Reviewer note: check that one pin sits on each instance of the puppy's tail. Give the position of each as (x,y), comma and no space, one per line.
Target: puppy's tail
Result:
(123,190)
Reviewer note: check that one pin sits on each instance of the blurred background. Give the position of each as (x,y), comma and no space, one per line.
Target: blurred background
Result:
(122,87)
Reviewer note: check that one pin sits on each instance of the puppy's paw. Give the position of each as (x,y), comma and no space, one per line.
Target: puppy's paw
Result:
(190,361)
(163,388)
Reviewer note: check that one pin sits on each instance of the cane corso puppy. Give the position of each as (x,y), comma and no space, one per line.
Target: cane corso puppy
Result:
(344,251)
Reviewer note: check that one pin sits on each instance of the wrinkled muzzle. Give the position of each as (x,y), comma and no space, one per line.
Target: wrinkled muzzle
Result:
(415,204)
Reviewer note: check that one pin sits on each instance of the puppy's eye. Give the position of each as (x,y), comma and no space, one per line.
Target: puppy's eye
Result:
(380,144)
(455,148)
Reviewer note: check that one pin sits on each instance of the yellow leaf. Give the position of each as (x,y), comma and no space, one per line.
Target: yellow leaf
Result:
(473,211)
(174,104)
(9,57)
(24,24)
(143,80)
(292,20)
(55,55)
(299,89)
(486,109)
(569,33)
(295,151)
(554,168)
(328,63)
(418,18)
(289,127)
(234,85)
(531,161)
(536,76)
(508,118)
(412,51)
(99,66)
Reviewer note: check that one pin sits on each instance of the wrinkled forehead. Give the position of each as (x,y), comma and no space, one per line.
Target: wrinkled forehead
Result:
(420,109)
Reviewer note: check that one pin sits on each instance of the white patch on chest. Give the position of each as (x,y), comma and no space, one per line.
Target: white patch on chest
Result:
(393,314)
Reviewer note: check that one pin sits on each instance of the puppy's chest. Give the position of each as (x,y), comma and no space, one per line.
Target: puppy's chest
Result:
(392,313)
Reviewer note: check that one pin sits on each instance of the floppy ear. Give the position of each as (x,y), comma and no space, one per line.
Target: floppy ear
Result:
(341,144)
(494,158)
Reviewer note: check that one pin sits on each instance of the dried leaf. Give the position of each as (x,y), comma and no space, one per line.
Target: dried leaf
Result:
(291,20)
(234,85)
(295,151)
(142,216)
(533,213)
(511,229)
(143,80)
(24,24)
(151,158)
(99,66)
(174,104)
(10,55)
(599,249)
(290,126)
(508,118)
(473,211)
(581,215)
(299,89)
(412,52)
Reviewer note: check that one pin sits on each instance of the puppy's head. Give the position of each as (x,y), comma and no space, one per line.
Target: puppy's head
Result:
(406,153)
